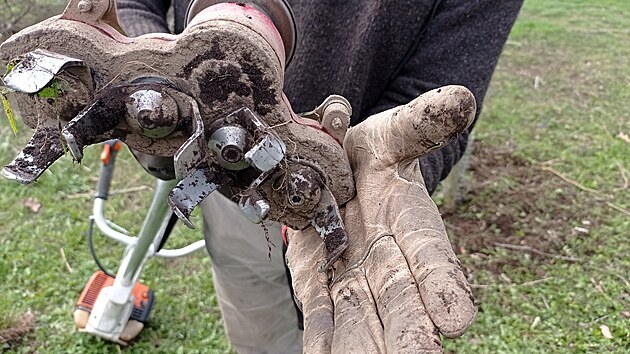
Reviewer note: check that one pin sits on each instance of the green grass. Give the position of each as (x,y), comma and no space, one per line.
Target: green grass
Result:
(578,52)
(571,121)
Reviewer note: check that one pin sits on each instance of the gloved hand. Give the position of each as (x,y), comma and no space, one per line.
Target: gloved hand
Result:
(399,283)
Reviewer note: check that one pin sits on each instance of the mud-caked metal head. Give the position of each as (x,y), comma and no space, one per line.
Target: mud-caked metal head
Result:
(37,69)
(152,113)
(229,144)
(279,11)
(214,104)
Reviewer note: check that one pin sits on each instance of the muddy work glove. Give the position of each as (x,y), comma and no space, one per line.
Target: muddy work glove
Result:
(399,284)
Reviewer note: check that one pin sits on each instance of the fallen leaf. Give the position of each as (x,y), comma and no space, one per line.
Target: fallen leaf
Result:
(624,137)
(537,81)
(625,314)
(580,230)
(535,323)
(32,204)
(606,331)
(598,285)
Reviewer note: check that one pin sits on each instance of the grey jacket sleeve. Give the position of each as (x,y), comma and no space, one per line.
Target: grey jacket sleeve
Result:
(138,17)
(460,45)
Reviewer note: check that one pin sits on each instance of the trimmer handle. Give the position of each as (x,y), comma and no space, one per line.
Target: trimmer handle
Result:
(108,159)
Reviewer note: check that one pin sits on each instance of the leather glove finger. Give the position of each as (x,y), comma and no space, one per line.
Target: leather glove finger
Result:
(358,327)
(304,253)
(406,324)
(445,292)
(409,131)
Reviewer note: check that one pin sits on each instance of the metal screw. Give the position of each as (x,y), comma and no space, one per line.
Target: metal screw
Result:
(255,208)
(296,200)
(336,123)
(85,6)
(262,207)
(153,113)
(232,154)
(228,144)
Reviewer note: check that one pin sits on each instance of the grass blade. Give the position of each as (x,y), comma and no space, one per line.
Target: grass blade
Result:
(9,112)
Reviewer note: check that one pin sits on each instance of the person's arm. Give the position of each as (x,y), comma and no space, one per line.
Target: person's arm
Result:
(460,45)
(139,17)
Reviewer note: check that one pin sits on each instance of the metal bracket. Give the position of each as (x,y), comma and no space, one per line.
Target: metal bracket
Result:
(44,148)
(334,115)
(93,12)
(329,225)
(198,178)
(37,69)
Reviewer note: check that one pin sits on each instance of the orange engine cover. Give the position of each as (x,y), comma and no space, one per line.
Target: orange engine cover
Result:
(144,297)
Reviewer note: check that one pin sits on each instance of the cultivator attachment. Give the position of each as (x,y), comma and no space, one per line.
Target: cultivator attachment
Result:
(206,104)
(211,98)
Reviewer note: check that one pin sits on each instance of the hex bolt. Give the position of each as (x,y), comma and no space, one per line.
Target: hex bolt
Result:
(228,144)
(262,207)
(154,114)
(254,207)
(336,123)
(232,154)
(85,5)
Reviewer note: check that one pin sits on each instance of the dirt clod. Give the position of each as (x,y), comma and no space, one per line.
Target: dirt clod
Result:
(218,85)
(215,52)
(107,111)
(263,92)
(24,325)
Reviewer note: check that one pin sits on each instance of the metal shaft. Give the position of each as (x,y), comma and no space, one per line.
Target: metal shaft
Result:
(158,212)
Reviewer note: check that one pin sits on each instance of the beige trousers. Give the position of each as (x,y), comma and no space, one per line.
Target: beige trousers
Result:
(250,280)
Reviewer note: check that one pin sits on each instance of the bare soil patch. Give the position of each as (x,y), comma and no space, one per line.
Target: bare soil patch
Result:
(515,205)
(13,335)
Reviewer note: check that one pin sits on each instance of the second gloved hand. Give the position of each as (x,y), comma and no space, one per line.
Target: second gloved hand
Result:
(399,284)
